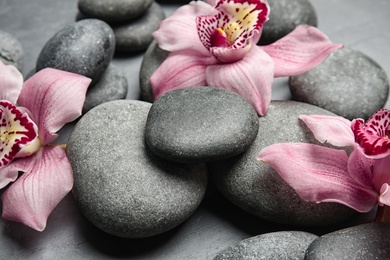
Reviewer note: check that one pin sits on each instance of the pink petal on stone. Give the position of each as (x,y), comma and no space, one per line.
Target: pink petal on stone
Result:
(334,130)
(384,197)
(318,174)
(361,169)
(32,198)
(54,98)
(11,82)
(299,51)
(245,78)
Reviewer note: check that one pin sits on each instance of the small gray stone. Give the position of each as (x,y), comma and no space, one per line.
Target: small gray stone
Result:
(137,35)
(85,47)
(153,58)
(258,189)
(348,83)
(367,241)
(290,245)
(122,187)
(11,51)
(199,124)
(285,15)
(114,10)
(112,86)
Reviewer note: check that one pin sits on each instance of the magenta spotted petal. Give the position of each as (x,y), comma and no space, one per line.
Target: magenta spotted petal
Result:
(373,136)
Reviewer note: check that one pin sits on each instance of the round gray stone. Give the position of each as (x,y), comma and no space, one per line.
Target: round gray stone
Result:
(114,10)
(11,51)
(258,189)
(290,245)
(120,186)
(348,83)
(285,15)
(200,124)
(112,86)
(85,47)
(367,241)
(152,59)
(137,35)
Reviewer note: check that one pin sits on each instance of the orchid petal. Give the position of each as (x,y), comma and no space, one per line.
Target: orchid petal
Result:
(10,172)
(381,172)
(361,168)
(299,51)
(318,174)
(334,130)
(178,32)
(54,98)
(180,70)
(244,78)
(212,2)
(11,82)
(384,197)
(32,198)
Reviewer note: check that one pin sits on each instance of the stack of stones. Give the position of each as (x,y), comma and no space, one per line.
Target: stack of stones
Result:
(133,21)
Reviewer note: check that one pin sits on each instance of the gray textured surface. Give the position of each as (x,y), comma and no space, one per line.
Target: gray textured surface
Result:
(288,245)
(348,83)
(368,241)
(11,51)
(111,86)
(200,124)
(119,185)
(85,47)
(257,188)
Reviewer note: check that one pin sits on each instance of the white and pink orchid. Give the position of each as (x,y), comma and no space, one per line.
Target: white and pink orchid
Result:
(322,174)
(213,43)
(47,101)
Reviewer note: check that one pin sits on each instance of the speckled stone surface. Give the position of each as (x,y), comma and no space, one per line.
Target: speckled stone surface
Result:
(11,51)
(368,241)
(289,245)
(85,47)
(348,83)
(200,124)
(114,10)
(258,189)
(120,186)
(285,15)
(111,86)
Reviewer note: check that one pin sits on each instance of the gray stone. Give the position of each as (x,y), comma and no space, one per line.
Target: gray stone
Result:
(152,59)
(348,83)
(367,241)
(137,35)
(120,186)
(258,189)
(11,51)
(112,86)
(200,124)
(290,245)
(114,10)
(285,15)
(85,47)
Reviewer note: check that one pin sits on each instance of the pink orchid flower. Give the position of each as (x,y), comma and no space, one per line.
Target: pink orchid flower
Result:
(46,101)
(214,44)
(322,174)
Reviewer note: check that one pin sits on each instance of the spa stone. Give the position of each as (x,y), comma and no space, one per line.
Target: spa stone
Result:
(200,124)
(275,245)
(11,51)
(119,185)
(85,47)
(348,83)
(258,189)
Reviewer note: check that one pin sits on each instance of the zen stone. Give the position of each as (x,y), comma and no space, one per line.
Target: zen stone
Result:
(112,86)
(348,83)
(114,10)
(137,34)
(277,245)
(11,51)
(200,124)
(258,189)
(119,185)
(285,15)
(367,241)
(152,59)
(85,47)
